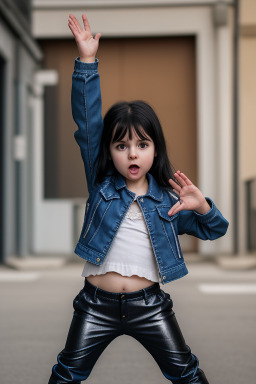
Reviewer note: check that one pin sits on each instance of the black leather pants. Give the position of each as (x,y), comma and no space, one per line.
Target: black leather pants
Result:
(101,316)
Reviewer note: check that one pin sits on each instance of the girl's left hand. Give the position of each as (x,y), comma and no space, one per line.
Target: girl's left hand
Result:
(191,197)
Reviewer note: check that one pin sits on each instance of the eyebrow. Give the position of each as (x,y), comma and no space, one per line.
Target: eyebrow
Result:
(122,141)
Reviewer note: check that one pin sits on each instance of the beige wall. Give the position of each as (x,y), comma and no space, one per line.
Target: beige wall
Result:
(247,92)
(165,79)
(248,12)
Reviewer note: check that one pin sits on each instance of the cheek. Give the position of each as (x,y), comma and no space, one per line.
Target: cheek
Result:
(117,157)
(149,157)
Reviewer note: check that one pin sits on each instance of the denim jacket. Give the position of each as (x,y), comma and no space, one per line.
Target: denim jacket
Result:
(109,201)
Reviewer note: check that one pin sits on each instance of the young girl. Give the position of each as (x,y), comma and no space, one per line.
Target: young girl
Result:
(136,209)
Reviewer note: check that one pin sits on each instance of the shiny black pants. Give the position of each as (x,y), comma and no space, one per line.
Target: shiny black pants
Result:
(101,316)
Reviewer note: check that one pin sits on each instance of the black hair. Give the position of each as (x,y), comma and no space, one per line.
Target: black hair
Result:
(140,116)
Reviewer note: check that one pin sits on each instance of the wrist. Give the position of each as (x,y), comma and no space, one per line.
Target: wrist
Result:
(204,208)
(87,59)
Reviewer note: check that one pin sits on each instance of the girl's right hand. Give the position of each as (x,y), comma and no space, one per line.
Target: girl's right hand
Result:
(86,44)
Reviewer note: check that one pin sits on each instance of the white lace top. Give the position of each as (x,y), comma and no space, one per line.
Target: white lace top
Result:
(131,252)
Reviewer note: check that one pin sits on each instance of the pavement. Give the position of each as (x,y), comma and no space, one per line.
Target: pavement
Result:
(215,308)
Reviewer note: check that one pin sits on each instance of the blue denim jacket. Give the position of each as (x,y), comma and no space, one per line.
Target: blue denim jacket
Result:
(109,201)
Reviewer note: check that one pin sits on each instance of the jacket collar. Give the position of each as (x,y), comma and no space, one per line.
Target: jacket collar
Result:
(154,191)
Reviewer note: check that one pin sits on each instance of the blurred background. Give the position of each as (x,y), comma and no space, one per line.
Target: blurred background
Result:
(193,60)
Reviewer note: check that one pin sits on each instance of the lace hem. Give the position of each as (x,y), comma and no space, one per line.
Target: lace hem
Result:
(124,270)
(134,215)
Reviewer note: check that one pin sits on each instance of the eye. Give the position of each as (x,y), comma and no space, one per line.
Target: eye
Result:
(120,145)
(144,145)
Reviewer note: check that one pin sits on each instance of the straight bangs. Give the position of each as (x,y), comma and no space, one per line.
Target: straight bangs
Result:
(130,126)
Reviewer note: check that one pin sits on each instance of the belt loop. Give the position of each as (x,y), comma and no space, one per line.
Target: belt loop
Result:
(145,296)
(95,293)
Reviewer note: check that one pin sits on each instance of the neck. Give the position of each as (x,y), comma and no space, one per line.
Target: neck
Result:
(139,187)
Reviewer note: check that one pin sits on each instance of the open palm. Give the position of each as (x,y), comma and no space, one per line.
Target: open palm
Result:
(191,198)
(86,44)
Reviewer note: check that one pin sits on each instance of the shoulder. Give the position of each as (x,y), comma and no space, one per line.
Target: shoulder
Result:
(109,180)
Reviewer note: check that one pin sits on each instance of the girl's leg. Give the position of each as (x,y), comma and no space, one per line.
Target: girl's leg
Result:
(155,326)
(89,334)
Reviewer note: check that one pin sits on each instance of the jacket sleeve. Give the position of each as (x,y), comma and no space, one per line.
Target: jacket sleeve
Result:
(209,226)
(86,111)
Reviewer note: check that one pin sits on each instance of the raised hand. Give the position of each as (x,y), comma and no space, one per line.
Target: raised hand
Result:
(86,44)
(191,198)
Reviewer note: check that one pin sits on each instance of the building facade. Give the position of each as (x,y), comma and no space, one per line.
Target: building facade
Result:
(247,127)
(19,58)
(184,58)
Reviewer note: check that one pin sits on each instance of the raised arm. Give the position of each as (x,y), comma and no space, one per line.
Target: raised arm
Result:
(86,97)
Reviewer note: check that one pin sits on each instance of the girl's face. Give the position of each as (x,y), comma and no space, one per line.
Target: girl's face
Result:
(133,158)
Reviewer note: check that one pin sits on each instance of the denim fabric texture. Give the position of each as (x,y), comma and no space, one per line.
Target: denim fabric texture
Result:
(146,315)
(109,201)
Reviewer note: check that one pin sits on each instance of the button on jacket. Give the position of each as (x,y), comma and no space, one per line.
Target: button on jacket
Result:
(109,201)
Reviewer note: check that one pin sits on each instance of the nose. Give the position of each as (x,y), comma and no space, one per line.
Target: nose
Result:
(132,154)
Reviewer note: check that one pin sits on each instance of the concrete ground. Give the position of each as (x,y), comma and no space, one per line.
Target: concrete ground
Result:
(215,308)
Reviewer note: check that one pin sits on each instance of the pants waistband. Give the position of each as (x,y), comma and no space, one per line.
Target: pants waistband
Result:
(142,293)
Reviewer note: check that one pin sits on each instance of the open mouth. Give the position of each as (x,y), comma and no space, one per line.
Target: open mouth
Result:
(134,168)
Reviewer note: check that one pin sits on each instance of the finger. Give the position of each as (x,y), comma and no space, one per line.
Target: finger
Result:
(174,185)
(180,179)
(86,23)
(176,208)
(73,30)
(73,27)
(75,23)
(97,36)
(179,208)
(175,190)
(186,179)
(173,208)
(70,29)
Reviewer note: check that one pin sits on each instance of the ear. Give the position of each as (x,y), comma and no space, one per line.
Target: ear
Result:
(155,154)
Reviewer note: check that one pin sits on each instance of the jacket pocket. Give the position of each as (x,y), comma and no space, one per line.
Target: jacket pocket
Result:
(169,224)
